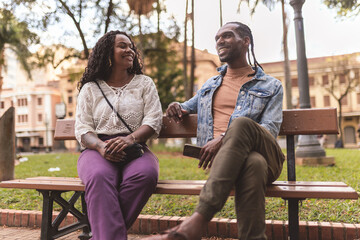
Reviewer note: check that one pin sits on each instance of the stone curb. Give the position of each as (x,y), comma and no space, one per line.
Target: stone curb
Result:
(218,227)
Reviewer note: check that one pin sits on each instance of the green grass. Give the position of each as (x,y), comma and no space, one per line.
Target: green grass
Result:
(174,166)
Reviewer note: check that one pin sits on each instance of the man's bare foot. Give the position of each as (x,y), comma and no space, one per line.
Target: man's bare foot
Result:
(191,229)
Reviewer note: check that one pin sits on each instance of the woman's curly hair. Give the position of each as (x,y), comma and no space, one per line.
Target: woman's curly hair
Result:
(102,55)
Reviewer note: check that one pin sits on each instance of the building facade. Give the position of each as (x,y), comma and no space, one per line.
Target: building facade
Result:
(332,80)
(35,100)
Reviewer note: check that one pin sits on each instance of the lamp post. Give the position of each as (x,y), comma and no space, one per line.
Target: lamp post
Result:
(47,121)
(60,113)
(308,145)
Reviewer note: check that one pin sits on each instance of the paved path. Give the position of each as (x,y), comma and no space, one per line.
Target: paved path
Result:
(13,233)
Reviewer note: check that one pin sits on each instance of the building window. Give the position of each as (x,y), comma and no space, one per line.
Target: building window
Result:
(41,141)
(325,79)
(22,102)
(344,101)
(12,103)
(23,118)
(312,101)
(294,82)
(326,101)
(358,98)
(311,81)
(40,117)
(70,100)
(70,114)
(2,105)
(39,101)
(342,78)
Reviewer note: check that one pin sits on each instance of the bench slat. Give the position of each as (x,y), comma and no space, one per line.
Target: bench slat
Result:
(283,189)
(295,122)
(278,183)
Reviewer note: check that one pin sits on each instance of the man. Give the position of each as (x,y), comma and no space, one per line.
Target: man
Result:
(239,117)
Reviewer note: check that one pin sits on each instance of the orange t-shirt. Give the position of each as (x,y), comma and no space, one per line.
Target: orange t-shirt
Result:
(226,95)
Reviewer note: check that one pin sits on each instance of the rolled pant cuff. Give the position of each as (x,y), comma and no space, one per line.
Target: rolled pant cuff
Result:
(206,211)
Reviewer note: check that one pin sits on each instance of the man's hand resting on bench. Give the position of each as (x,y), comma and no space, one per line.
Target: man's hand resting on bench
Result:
(175,112)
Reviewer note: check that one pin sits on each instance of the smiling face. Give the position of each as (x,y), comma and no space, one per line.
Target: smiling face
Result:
(123,52)
(230,45)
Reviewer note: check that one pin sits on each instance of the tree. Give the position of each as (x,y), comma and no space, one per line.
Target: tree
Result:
(162,65)
(342,82)
(16,36)
(344,7)
(90,19)
(285,23)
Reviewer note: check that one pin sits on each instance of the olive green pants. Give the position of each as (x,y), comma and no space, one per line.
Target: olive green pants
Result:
(248,160)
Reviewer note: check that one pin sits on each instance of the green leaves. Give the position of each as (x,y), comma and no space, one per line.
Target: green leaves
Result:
(18,37)
(344,7)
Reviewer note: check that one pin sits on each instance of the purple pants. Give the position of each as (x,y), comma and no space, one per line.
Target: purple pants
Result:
(115,196)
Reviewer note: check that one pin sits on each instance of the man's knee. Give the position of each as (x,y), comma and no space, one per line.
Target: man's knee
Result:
(256,169)
(241,124)
(257,162)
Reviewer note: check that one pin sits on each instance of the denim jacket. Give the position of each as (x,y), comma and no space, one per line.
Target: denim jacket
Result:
(260,99)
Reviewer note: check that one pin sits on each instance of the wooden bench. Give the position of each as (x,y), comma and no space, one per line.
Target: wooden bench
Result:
(295,122)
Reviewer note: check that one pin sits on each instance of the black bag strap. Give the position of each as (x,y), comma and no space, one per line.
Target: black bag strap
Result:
(107,100)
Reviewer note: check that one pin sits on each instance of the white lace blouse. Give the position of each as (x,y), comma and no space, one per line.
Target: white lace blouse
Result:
(137,102)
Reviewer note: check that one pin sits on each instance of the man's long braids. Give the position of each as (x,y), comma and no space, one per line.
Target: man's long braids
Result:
(244,31)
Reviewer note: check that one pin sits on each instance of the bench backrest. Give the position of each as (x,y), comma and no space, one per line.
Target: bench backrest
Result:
(295,122)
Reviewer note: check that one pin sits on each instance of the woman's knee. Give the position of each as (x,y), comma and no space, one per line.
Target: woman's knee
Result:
(147,174)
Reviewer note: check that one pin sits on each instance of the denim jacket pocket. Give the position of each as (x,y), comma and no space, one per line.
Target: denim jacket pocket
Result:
(258,100)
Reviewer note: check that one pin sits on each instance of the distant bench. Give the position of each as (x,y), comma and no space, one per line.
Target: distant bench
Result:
(295,122)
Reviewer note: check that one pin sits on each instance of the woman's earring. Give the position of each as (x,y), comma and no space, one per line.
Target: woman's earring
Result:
(110,64)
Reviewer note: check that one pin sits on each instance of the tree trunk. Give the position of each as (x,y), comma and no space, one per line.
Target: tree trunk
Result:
(185,53)
(288,83)
(7,145)
(340,123)
(221,16)
(192,71)
(1,66)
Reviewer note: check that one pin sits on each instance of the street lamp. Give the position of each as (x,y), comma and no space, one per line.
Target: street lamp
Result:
(60,113)
(308,145)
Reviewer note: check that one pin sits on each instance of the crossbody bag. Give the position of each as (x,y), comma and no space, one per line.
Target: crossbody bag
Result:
(132,151)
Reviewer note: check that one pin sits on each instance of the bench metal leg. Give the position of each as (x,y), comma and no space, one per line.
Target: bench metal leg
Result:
(293,208)
(50,229)
(46,216)
(86,230)
(293,213)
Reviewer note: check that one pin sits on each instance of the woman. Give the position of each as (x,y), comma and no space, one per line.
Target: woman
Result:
(116,193)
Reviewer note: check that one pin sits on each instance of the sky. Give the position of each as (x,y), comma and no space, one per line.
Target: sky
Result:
(325,33)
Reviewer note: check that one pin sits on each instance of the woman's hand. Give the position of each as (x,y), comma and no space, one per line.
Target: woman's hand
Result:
(91,141)
(118,144)
(115,157)
(208,152)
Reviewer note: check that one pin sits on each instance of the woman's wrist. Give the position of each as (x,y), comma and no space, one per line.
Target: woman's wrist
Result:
(133,137)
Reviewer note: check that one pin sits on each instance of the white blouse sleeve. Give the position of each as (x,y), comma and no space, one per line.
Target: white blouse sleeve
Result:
(84,121)
(152,110)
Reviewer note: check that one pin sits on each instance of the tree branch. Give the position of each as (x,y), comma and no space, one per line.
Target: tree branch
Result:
(78,27)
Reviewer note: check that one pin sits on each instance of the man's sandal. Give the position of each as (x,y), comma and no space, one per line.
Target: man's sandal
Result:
(170,234)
